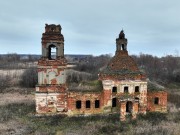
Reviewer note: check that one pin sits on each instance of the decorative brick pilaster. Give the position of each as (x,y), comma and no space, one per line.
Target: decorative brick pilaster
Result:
(122,111)
(135,110)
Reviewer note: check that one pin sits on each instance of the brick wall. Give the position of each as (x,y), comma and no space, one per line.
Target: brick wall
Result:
(159,105)
(83,97)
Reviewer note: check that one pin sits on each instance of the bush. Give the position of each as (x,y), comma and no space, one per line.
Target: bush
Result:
(4,82)
(29,78)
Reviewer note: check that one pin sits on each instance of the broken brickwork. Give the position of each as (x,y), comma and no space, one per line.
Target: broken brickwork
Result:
(122,88)
(157,101)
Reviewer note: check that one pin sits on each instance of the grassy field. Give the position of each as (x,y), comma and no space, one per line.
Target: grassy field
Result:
(17,114)
(17,111)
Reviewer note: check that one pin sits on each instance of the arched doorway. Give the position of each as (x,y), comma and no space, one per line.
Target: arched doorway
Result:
(129,107)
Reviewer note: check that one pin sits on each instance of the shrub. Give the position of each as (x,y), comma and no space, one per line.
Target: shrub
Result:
(29,78)
(4,82)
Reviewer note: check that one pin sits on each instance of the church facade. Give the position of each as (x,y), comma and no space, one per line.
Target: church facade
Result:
(122,88)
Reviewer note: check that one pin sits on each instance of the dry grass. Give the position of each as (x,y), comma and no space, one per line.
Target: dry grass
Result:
(12,72)
(17,117)
(9,98)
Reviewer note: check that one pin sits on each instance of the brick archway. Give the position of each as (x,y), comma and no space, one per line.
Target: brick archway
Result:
(128,107)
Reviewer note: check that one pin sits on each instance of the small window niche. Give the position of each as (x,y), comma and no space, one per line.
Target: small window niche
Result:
(114,89)
(97,104)
(156,100)
(78,104)
(137,89)
(88,104)
(114,100)
(126,89)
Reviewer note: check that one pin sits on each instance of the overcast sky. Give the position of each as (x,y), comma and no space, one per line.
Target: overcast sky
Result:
(92,26)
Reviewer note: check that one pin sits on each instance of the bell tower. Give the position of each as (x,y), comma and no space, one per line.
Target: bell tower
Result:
(51,90)
(121,43)
(52,42)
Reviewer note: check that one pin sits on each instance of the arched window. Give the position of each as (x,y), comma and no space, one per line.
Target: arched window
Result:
(126,89)
(52,50)
(114,89)
(137,89)
(156,100)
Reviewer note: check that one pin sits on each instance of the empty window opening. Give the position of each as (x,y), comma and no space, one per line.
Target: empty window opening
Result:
(114,100)
(78,104)
(123,47)
(126,89)
(97,104)
(52,29)
(52,52)
(88,104)
(137,89)
(129,107)
(114,89)
(156,100)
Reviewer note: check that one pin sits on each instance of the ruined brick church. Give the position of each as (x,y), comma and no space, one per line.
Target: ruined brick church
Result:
(122,88)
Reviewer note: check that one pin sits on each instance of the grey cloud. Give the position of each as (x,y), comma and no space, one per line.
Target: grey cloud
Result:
(92,26)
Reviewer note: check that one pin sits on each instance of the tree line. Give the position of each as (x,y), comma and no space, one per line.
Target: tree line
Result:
(163,70)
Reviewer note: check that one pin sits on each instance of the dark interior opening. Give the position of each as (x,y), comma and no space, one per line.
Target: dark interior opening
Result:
(88,104)
(123,48)
(78,104)
(137,89)
(52,52)
(156,100)
(114,100)
(52,29)
(126,89)
(114,89)
(97,104)
(129,107)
